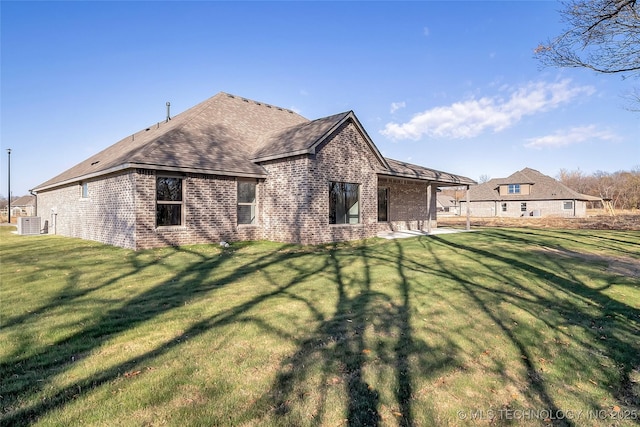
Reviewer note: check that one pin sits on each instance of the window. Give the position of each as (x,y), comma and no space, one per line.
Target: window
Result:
(85,190)
(567,205)
(504,207)
(246,202)
(169,201)
(523,207)
(383,204)
(344,206)
(514,188)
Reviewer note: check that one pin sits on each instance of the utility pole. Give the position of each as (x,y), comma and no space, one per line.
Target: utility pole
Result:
(9,185)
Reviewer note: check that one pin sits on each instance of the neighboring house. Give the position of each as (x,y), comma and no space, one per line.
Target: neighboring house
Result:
(446,204)
(232,169)
(23,206)
(526,193)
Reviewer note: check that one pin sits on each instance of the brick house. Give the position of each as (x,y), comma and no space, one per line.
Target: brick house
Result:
(232,169)
(526,193)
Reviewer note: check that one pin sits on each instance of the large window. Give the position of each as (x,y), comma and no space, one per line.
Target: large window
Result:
(169,201)
(344,203)
(514,188)
(567,205)
(246,202)
(383,204)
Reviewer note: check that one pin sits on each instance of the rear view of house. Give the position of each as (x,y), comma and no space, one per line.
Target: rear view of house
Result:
(235,169)
(526,193)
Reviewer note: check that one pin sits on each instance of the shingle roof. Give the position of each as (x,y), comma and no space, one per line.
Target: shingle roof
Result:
(228,135)
(408,170)
(24,201)
(215,136)
(543,187)
(296,139)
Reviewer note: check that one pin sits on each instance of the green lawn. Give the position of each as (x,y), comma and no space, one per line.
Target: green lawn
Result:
(494,327)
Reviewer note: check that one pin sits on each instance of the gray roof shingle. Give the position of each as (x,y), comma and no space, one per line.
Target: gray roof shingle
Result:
(408,170)
(229,135)
(543,187)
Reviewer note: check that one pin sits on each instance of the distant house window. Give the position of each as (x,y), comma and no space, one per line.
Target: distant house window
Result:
(383,204)
(169,201)
(85,190)
(567,205)
(504,207)
(344,203)
(523,207)
(247,202)
(514,188)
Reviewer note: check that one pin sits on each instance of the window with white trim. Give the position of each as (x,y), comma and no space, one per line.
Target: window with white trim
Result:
(84,192)
(514,188)
(247,202)
(169,201)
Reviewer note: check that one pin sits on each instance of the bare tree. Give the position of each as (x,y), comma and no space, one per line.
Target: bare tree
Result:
(621,187)
(483,178)
(602,35)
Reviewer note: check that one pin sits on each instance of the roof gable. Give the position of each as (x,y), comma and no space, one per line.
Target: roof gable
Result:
(305,138)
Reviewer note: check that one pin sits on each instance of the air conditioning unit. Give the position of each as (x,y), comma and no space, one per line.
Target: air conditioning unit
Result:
(28,225)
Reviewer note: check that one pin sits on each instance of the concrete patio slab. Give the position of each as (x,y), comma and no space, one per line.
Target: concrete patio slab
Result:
(403,234)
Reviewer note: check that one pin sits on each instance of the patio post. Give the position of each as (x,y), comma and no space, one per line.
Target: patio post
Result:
(429,208)
(468,211)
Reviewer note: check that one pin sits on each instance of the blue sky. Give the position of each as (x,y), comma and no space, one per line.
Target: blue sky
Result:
(452,86)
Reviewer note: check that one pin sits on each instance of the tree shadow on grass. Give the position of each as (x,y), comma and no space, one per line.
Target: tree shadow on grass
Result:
(575,309)
(368,328)
(24,376)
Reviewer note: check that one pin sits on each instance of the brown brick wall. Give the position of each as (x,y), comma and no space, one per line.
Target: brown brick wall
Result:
(408,207)
(106,216)
(293,202)
(210,215)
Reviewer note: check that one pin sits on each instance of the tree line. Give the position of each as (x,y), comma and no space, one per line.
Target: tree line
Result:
(621,187)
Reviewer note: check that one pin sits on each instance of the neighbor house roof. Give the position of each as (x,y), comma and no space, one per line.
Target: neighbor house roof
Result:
(543,187)
(229,135)
(24,201)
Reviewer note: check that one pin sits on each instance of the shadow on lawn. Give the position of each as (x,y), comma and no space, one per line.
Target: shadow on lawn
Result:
(30,375)
(569,293)
(337,347)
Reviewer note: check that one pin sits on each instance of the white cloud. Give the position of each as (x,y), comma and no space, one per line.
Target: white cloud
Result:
(395,106)
(570,136)
(426,31)
(467,119)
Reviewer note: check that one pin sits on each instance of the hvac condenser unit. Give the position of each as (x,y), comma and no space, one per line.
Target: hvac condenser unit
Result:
(28,225)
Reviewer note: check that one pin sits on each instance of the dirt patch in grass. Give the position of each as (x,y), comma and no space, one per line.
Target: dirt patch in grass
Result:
(594,221)
(623,266)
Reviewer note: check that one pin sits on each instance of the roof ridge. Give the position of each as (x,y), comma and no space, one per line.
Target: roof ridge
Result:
(230,95)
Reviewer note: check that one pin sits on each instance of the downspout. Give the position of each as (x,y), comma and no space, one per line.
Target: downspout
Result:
(36,196)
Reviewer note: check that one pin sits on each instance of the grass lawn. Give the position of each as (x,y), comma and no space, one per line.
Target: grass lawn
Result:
(494,327)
